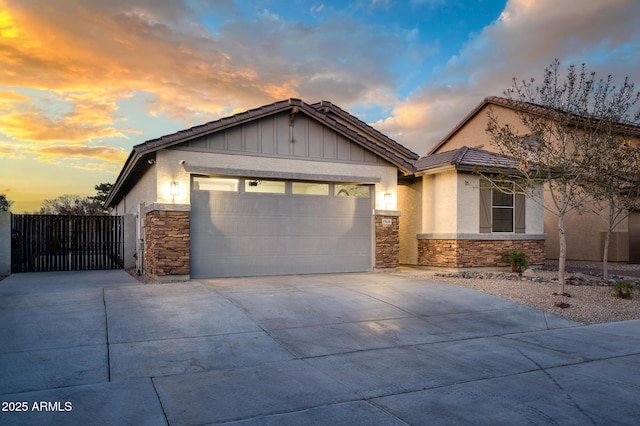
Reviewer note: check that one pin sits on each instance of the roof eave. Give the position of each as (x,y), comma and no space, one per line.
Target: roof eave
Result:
(124,172)
(442,168)
(149,147)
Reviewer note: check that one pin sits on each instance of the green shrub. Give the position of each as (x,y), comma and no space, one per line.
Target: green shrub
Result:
(517,260)
(624,289)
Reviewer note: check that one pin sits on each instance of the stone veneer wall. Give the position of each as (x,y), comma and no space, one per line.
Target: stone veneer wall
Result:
(387,242)
(474,253)
(167,246)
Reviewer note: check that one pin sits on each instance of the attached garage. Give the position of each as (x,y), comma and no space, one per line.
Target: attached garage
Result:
(287,188)
(245,227)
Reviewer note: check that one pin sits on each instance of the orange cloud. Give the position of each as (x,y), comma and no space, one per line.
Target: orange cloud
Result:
(9,150)
(104,153)
(22,119)
(87,54)
(109,50)
(9,97)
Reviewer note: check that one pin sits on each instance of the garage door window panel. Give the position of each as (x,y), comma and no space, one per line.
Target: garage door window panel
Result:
(201,183)
(264,186)
(361,191)
(309,188)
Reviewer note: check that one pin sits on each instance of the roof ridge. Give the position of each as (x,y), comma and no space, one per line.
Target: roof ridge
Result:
(460,155)
(355,120)
(362,134)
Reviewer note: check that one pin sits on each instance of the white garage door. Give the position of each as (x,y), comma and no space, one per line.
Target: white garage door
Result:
(244,227)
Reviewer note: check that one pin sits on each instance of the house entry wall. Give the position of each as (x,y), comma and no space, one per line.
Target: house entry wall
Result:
(250,234)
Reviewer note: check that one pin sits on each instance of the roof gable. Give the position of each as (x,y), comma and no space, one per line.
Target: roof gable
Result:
(345,126)
(522,107)
(353,129)
(285,134)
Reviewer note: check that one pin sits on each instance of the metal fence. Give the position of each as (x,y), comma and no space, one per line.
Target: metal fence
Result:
(42,243)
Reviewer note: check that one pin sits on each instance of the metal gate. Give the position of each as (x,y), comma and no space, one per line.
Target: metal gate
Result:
(42,243)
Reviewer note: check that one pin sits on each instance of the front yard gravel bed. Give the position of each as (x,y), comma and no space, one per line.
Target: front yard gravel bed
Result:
(592,300)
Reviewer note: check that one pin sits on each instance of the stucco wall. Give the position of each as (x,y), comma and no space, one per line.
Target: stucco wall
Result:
(473,133)
(169,170)
(410,205)
(451,206)
(439,203)
(585,233)
(468,194)
(145,191)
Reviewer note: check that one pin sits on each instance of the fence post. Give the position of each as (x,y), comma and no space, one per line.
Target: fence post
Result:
(129,241)
(5,242)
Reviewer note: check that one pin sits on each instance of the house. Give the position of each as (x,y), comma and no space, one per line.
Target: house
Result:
(585,233)
(298,188)
(288,188)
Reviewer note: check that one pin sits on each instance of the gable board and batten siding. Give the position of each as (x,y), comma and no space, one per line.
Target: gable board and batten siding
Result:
(287,141)
(281,136)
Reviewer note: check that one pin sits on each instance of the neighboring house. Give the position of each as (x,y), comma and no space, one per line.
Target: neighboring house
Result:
(585,233)
(297,188)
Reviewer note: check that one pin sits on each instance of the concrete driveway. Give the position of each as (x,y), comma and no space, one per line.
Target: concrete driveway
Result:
(373,349)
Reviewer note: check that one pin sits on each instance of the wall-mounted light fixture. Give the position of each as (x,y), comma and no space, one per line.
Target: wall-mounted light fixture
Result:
(387,200)
(174,190)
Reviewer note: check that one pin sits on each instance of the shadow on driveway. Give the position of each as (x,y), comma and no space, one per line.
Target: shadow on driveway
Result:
(100,348)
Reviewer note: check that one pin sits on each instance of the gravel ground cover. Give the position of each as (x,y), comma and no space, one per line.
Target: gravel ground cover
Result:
(592,300)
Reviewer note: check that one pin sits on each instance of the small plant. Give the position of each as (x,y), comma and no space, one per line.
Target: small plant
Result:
(517,260)
(623,289)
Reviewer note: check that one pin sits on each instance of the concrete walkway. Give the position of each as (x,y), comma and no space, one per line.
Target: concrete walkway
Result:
(372,349)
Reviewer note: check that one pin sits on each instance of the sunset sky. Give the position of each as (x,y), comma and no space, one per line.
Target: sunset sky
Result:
(82,81)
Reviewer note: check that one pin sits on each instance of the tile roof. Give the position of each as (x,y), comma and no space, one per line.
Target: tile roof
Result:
(355,129)
(467,159)
(325,112)
(330,108)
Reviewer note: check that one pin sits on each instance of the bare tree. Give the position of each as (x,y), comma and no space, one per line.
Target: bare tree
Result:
(615,174)
(555,145)
(74,205)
